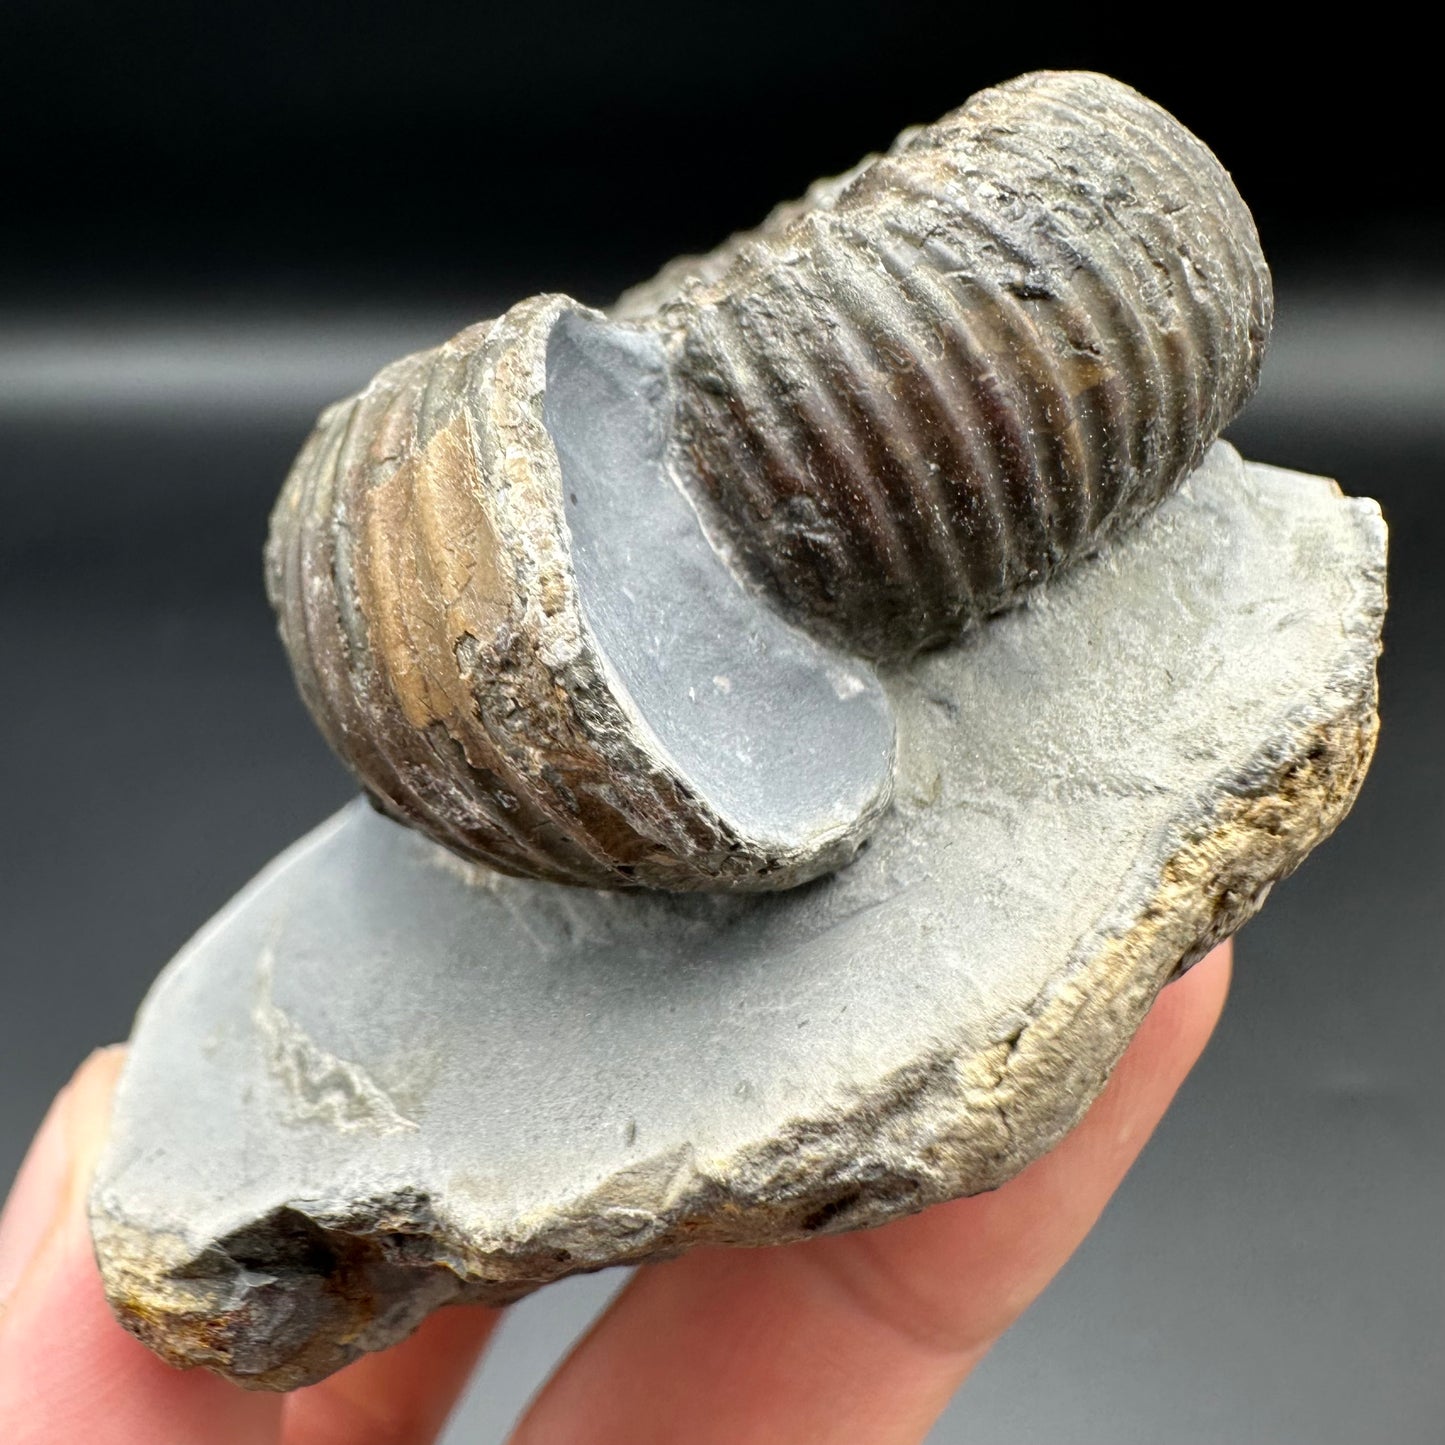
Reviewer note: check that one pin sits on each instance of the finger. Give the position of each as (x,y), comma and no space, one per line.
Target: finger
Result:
(68,1372)
(401,1396)
(864,1336)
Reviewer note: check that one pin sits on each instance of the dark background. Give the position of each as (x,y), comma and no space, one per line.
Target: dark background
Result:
(297,148)
(216,218)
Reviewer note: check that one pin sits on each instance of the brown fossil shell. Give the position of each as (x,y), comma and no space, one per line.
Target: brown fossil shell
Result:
(429,590)
(969,361)
(586,597)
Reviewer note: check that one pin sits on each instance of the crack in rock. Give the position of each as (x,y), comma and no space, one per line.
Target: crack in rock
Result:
(320,1085)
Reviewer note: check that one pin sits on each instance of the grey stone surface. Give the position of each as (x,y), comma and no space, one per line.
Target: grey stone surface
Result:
(789,740)
(383,1079)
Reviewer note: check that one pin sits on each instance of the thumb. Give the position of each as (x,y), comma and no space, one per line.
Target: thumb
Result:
(41,1198)
(68,1371)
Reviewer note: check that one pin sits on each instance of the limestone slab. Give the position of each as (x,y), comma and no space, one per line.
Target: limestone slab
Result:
(384,1079)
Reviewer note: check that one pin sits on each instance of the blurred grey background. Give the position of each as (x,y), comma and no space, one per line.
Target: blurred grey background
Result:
(216,225)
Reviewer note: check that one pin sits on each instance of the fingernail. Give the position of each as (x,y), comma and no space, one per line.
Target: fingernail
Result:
(36,1198)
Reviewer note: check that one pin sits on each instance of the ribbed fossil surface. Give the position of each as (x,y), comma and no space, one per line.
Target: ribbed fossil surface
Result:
(427,590)
(900,403)
(380,565)
(928,388)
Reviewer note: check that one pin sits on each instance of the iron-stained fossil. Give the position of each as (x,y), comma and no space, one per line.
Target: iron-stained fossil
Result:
(598,598)
(677,598)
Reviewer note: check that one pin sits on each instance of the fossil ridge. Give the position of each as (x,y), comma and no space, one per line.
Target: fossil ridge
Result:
(588,597)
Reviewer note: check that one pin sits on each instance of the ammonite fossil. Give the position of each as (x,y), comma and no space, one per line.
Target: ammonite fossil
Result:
(599,597)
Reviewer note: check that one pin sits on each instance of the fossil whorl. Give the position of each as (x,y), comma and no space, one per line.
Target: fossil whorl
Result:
(968,361)
(586,596)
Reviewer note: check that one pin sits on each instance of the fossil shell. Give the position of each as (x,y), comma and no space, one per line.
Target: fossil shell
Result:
(588,597)
(969,361)
(430,560)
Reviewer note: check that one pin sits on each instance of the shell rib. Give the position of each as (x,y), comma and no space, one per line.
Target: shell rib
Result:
(427,585)
(892,409)
(968,362)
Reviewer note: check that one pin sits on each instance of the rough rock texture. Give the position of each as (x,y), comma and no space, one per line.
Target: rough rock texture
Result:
(383,1079)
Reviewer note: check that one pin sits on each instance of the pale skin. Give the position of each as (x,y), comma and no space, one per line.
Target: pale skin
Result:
(859,1338)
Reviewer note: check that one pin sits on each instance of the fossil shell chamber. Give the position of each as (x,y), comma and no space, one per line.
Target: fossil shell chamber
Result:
(597,598)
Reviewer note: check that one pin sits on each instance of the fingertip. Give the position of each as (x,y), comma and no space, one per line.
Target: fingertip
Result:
(47,1177)
(1183,1016)
(89,1096)
(68,1371)
(865,1335)
(973,1265)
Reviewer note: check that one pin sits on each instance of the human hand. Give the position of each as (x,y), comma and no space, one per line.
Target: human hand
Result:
(856,1337)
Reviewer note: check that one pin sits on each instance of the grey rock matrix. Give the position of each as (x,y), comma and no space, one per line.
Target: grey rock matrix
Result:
(385,1079)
